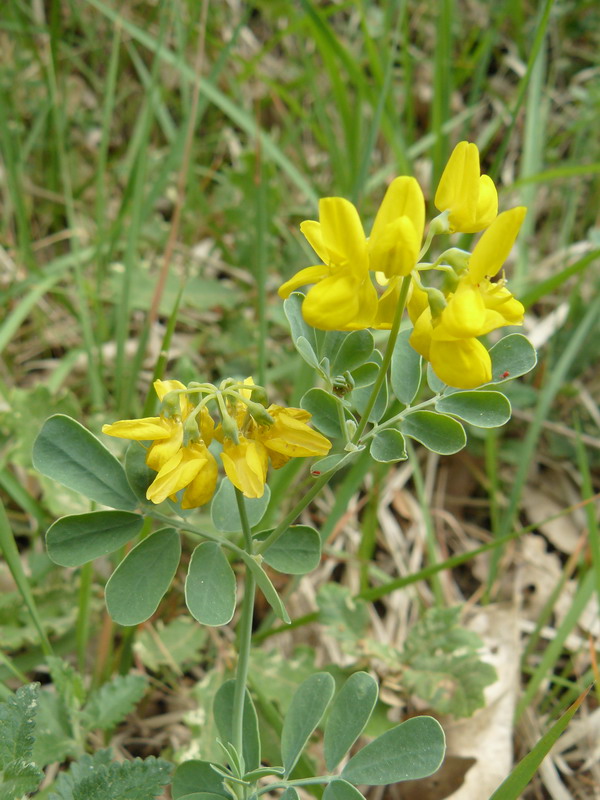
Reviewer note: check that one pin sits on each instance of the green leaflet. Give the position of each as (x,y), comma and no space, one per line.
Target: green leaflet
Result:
(69,454)
(139,583)
(210,585)
(412,750)
(79,538)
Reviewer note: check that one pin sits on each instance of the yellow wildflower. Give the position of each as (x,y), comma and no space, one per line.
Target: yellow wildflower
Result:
(470,198)
(287,437)
(343,297)
(290,436)
(179,466)
(246,465)
(476,307)
(397,232)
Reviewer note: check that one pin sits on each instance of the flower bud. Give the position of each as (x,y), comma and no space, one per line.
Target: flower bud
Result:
(259,395)
(259,413)
(191,432)
(437,301)
(229,427)
(171,404)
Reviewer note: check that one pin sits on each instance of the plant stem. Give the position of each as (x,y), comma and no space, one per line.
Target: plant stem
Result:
(387,358)
(244,634)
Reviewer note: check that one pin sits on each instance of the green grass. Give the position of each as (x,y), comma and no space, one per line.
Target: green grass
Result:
(106,287)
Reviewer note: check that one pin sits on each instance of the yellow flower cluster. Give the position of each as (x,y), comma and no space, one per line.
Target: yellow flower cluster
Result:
(180,438)
(446,325)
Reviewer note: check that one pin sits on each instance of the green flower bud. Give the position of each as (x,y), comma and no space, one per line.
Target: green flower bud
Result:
(437,301)
(259,413)
(259,395)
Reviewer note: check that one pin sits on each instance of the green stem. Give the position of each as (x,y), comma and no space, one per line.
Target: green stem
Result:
(244,634)
(387,358)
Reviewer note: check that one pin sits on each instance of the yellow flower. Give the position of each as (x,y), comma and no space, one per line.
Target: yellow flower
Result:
(343,297)
(246,465)
(470,198)
(476,307)
(191,467)
(463,363)
(290,436)
(397,232)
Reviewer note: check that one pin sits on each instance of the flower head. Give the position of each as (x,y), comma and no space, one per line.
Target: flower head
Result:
(343,297)
(470,198)
(190,466)
(287,435)
(448,340)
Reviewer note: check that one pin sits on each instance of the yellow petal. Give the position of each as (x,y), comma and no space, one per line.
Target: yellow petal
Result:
(464,364)
(487,204)
(246,466)
(493,248)
(458,189)
(403,198)
(303,278)
(162,388)
(164,449)
(387,305)
(207,426)
(417,302)
(202,487)
(292,437)
(338,304)
(177,473)
(144,429)
(343,235)
(395,249)
(464,315)
(420,338)
(312,231)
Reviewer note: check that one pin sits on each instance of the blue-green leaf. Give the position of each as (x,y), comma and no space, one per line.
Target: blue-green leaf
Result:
(139,583)
(223,712)
(405,370)
(341,790)
(412,750)
(435,384)
(326,410)
(197,776)
(361,394)
(210,586)
(296,552)
(69,454)
(512,356)
(74,540)
(388,446)
(304,714)
(292,308)
(348,716)
(354,350)
(437,432)
(139,475)
(224,509)
(481,408)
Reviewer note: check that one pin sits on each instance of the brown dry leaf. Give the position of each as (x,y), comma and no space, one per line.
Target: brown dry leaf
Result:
(562,532)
